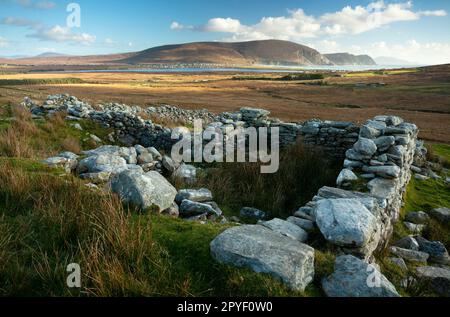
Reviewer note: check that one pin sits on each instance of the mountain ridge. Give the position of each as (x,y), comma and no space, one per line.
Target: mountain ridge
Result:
(263,52)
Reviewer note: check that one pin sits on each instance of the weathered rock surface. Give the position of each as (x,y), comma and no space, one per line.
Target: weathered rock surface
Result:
(199,195)
(418,218)
(410,255)
(102,163)
(248,212)
(442,214)
(286,228)
(439,278)
(265,251)
(345,222)
(354,278)
(189,208)
(144,190)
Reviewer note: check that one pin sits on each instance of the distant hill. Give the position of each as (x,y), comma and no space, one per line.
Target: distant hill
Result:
(350,59)
(267,52)
(50,54)
(384,60)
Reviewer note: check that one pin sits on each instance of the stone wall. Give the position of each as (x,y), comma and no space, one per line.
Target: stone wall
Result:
(379,165)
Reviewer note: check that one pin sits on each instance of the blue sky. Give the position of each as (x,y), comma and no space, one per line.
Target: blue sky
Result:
(412,30)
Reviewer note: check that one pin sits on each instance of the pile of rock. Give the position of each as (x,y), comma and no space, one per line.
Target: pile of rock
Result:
(335,137)
(177,114)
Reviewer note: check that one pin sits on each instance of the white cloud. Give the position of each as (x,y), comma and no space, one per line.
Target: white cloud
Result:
(3,42)
(12,21)
(413,51)
(43,5)
(109,41)
(62,34)
(297,25)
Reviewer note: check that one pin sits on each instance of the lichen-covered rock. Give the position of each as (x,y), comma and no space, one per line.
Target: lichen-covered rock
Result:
(102,163)
(144,190)
(266,251)
(199,195)
(355,278)
(345,222)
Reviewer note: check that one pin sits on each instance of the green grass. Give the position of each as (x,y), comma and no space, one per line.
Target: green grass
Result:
(49,221)
(425,196)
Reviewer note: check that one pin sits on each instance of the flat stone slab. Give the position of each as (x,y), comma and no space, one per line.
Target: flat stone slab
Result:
(266,251)
(355,278)
(286,228)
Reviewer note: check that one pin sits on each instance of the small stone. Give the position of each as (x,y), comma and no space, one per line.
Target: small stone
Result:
(366,147)
(253,213)
(305,224)
(399,262)
(437,251)
(346,176)
(410,255)
(441,214)
(413,228)
(198,195)
(418,218)
(286,228)
(408,243)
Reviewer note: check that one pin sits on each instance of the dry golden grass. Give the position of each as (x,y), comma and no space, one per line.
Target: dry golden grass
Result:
(422,97)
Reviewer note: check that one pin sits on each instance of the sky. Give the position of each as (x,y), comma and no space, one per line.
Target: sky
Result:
(417,31)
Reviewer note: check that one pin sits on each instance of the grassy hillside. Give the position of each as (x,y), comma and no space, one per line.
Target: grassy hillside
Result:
(49,219)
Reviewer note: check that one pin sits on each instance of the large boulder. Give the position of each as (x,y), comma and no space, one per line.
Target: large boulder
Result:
(355,278)
(265,251)
(144,190)
(129,154)
(102,163)
(345,222)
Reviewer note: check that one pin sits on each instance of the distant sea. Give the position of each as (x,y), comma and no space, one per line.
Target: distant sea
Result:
(261,69)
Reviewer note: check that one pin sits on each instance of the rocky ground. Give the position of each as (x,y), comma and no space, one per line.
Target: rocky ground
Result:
(353,222)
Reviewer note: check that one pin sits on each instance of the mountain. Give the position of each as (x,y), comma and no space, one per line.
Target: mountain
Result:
(50,54)
(267,52)
(350,59)
(385,60)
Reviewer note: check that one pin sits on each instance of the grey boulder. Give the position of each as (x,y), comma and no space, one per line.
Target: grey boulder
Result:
(366,147)
(265,251)
(144,190)
(345,222)
(355,278)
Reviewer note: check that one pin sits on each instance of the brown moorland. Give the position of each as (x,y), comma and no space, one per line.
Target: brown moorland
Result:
(420,95)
